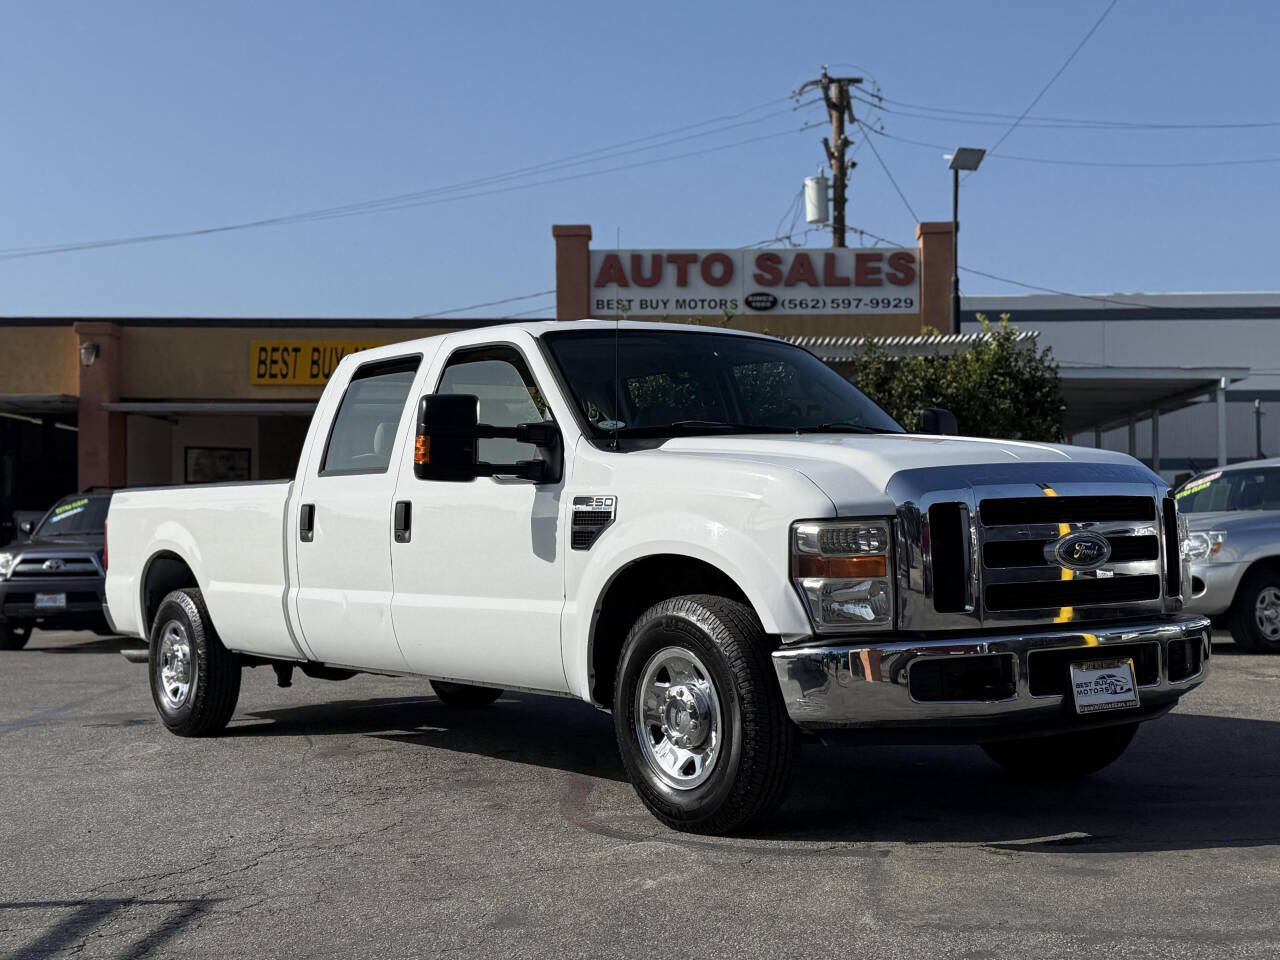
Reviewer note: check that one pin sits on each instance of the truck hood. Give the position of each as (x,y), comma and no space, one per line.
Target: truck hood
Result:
(854,469)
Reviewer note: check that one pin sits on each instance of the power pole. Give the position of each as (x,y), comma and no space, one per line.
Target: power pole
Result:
(835,94)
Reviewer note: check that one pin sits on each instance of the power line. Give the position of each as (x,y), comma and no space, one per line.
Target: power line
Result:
(885,167)
(1055,122)
(476,306)
(430,196)
(382,206)
(1075,162)
(1062,69)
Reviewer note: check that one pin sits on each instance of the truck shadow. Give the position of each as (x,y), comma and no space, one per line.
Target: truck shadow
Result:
(1187,782)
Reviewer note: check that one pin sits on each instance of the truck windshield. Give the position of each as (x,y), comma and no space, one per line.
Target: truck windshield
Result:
(1245,489)
(75,517)
(675,383)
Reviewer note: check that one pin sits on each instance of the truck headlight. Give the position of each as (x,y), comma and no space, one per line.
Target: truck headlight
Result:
(841,568)
(6,564)
(1203,544)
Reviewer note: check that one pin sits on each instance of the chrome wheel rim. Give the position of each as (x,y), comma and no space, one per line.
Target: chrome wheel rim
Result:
(1266,612)
(176,664)
(678,718)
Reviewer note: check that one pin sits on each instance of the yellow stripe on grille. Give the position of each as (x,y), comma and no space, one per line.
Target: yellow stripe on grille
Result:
(1064,613)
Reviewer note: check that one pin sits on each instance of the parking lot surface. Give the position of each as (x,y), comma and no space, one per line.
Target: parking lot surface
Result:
(366,819)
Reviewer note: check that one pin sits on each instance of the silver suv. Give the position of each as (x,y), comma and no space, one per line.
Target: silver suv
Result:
(1234,546)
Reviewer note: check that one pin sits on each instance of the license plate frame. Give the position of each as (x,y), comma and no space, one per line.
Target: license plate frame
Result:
(50,601)
(1101,686)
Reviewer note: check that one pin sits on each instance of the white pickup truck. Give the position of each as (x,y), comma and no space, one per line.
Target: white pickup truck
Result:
(709,533)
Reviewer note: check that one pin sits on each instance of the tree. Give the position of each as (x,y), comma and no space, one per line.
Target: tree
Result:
(998,388)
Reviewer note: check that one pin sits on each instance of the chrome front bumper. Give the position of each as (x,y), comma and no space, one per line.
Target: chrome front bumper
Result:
(868,686)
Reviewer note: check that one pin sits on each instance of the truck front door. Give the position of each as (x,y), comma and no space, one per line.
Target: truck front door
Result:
(344,520)
(479,584)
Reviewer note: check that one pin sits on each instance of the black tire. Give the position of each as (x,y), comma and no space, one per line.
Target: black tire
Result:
(464,694)
(1242,619)
(13,636)
(213,672)
(1066,756)
(756,740)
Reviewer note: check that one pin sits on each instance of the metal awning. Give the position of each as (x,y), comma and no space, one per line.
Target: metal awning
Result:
(35,405)
(218,408)
(1104,398)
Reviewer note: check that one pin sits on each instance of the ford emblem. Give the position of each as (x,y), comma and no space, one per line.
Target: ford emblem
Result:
(1080,551)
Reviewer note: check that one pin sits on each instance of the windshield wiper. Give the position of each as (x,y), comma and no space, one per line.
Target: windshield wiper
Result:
(840,426)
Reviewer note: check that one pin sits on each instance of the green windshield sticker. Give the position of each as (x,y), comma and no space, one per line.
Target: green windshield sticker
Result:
(1195,486)
(64,507)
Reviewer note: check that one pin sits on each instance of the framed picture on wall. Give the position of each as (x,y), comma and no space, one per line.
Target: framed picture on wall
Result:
(216,464)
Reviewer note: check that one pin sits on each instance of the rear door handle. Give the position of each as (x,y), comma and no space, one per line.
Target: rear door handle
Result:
(307,523)
(402,528)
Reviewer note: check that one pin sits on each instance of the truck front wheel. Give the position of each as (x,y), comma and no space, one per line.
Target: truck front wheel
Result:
(13,636)
(195,680)
(1065,756)
(700,722)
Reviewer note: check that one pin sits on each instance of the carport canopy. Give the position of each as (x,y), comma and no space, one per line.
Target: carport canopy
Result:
(1104,398)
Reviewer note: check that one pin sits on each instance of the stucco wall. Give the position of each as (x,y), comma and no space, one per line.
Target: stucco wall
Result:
(39,360)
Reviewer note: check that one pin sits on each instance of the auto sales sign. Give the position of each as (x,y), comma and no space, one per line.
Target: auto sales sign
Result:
(674,283)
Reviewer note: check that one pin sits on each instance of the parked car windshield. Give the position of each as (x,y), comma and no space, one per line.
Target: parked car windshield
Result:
(75,517)
(674,383)
(1246,489)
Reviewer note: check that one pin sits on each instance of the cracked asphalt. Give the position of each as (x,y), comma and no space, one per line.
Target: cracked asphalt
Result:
(366,819)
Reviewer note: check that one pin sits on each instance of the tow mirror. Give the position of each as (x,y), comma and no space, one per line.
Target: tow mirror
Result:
(445,447)
(936,420)
(27,527)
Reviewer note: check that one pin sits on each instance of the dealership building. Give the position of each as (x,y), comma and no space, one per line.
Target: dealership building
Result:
(1184,381)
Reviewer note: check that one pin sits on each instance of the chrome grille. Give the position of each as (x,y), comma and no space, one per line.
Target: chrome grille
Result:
(974,545)
(57,567)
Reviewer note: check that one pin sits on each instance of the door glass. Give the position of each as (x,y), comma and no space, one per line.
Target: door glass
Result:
(499,377)
(364,431)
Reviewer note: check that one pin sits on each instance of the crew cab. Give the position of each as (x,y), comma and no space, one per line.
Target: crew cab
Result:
(53,577)
(708,533)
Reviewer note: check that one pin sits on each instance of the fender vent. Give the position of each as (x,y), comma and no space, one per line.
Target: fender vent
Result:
(591,517)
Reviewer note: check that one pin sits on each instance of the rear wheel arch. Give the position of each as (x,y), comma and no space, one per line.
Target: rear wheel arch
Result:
(165,571)
(633,589)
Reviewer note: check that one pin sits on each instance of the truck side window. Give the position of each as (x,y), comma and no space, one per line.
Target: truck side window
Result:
(364,431)
(500,378)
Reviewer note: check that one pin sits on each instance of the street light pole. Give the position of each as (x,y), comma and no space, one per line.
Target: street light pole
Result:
(965,158)
(955,249)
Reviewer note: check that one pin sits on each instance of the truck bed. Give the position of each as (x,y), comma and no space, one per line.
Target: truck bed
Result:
(231,535)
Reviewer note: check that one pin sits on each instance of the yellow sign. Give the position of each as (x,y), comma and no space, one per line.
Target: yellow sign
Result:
(299,362)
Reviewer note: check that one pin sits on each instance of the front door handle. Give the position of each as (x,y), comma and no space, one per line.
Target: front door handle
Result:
(307,523)
(402,528)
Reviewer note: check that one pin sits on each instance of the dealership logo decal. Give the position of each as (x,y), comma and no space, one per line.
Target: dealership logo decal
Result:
(761,301)
(1080,551)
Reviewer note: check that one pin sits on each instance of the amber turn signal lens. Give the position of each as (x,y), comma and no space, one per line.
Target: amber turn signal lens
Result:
(842,568)
(422,449)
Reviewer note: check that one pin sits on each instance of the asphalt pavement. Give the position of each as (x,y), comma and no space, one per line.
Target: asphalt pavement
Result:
(366,819)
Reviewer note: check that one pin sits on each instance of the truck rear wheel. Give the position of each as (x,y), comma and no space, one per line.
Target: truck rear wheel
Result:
(1255,616)
(699,719)
(14,637)
(1065,756)
(195,680)
(464,694)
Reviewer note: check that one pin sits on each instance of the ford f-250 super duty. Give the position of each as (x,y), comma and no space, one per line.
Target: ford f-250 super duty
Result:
(709,533)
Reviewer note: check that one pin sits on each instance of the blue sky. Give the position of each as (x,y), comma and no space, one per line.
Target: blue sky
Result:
(134,118)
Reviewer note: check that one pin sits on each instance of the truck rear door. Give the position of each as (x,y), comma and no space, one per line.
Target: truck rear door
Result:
(343,526)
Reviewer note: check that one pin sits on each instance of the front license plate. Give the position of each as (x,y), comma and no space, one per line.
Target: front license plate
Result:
(51,601)
(1102,685)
